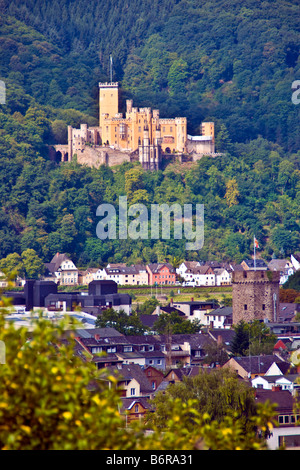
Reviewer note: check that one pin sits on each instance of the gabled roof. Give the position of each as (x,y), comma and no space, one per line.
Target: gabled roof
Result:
(133,371)
(190,371)
(190,264)
(287,311)
(221,311)
(57,260)
(282,398)
(277,264)
(128,403)
(156,267)
(258,262)
(196,340)
(260,364)
(225,334)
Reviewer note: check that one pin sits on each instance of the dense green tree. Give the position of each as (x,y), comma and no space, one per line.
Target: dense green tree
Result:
(173,323)
(121,321)
(215,392)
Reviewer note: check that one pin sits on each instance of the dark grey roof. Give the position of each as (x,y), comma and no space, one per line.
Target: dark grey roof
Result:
(283,399)
(133,371)
(261,364)
(128,403)
(103,332)
(259,263)
(56,261)
(155,267)
(148,320)
(222,311)
(227,335)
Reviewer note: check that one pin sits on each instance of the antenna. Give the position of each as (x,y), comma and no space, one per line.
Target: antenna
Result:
(110,67)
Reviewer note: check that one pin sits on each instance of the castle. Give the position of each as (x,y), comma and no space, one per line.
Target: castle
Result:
(139,135)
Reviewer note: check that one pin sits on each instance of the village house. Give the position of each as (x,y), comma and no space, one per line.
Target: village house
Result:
(161,273)
(135,409)
(154,375)
(258,264)
(194,310)
(150,348)
(132,381)
(221,317)
(3,280)
(61,270)
(285,267)
(86,276)
(223,277)
(248,367)
(287,433)
(196,275)
(295,260)
(284,382)
(123,275)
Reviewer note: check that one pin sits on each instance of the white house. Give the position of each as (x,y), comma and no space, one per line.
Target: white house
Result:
(62,270)
(223,277)
(269,382)
(218,318)
(295,259)
(186,266)
(285,267)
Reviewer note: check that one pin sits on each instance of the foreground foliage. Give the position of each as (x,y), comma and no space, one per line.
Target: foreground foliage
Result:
(53,399)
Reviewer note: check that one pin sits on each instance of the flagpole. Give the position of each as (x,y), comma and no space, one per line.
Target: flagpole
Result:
(110,67)
(254,253)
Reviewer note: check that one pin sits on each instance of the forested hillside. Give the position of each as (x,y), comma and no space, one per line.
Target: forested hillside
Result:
(229,62)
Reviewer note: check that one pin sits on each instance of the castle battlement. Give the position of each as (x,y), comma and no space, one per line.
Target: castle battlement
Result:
(108,85)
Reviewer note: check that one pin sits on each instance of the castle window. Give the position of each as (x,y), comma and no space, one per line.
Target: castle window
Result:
(263,307)
(244,274)
(245,307)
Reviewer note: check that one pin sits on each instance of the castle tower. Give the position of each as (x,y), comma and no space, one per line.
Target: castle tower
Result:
(150,154)
(208,128)
(255,295)
(108,101)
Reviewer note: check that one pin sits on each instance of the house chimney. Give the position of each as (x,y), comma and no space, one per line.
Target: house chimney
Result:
(97,337)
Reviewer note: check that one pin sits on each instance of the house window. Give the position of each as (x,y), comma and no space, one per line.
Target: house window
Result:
(136,408)
(132,391)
